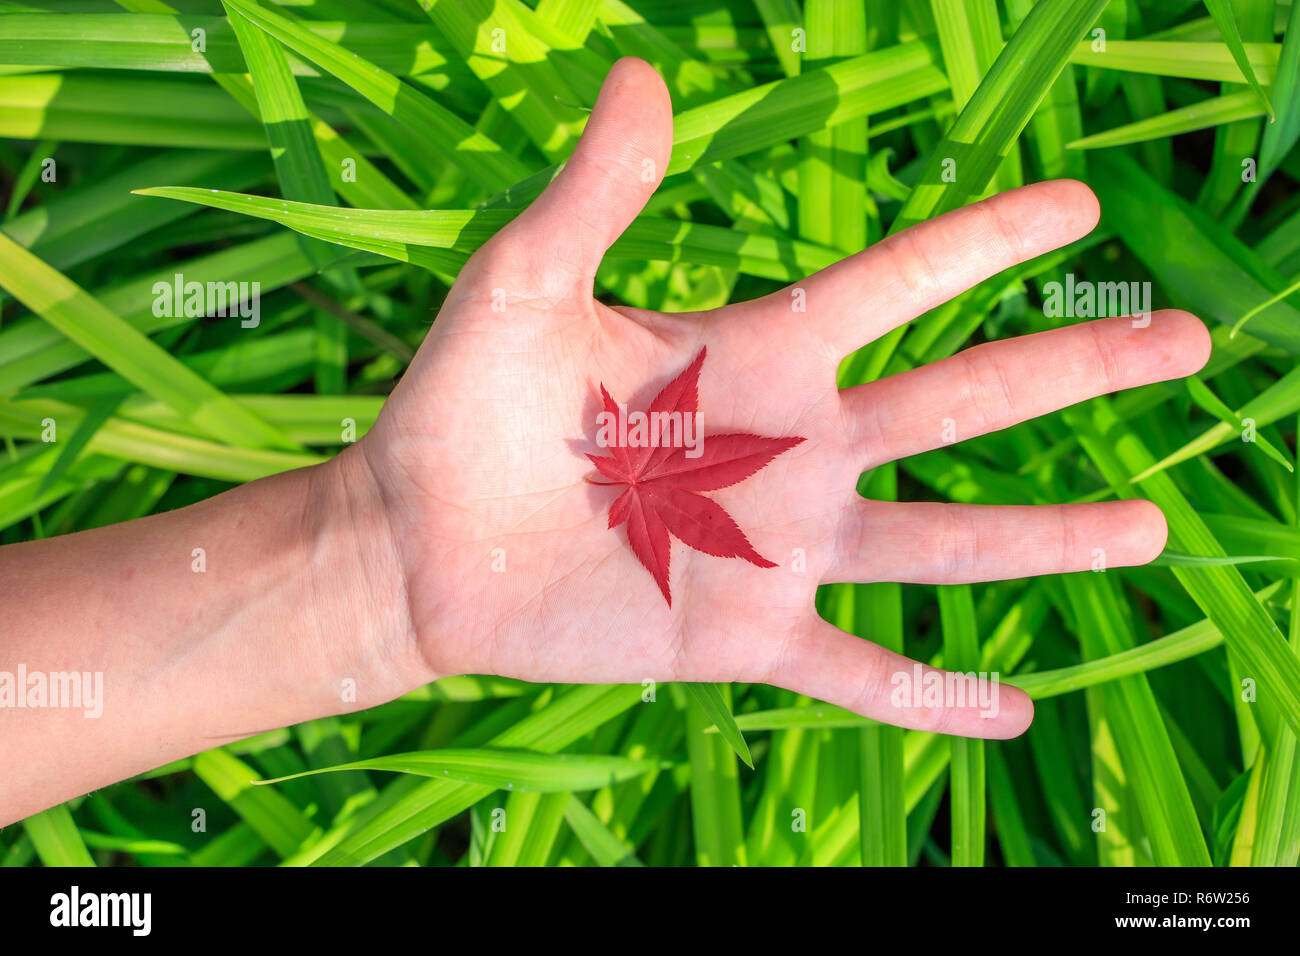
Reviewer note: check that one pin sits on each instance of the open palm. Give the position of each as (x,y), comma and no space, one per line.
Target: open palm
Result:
(504,547)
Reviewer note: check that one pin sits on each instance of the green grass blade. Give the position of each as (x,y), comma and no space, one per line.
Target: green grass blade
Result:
(83,319)
(1214,275)
(710,700)
(414,235)
(605,848)
(780,19)
(280,824)
(985,131)
(408,812)
(56,839)
(962,654)
(715,790)
(1277,834)
(1159,788)
(499,41)
(1187,60)
(1215,111)
(766,115)
(514,770)
(1009,824)
(1219,591)
(444,133)
(136,110)
(532,826)
(1226,21)
(882,813)
(165,43)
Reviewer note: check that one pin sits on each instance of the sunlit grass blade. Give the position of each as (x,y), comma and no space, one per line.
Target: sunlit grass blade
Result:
(766,115)
(810,716)
(1158,785)
(441,130)
(1206,399)
(87,322)
(280,824)
(882,813)
(533,828)
(1118,829)
(715,789)
(137,110)
(1279,399)
(41,155)
(605,848)
(164,43)
(89,219)
(1188,60)
(32,349)
(1226,21)
(1006,98)
(780,20)
(152,446)
(710,700)
(71,450)
(301,172)
(1277,830)
(962,654)
(516,770)
(1280,136)
(1215,111)
(421,236)
(1009,826)
(394,819)
(1219,591)
(521,73)
(1213,274)
(56,839)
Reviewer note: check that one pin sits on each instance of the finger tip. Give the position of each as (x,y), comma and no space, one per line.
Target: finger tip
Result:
(1076,203)
(626,66)
(634,78)
(1084,201)
(1148,531)
(636,98)
(1016,713)
(1190,340)
(1011,715)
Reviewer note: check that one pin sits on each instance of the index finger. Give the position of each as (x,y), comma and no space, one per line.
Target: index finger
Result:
(863,296)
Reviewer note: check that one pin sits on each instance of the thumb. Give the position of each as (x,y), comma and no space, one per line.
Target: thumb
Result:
(615,168)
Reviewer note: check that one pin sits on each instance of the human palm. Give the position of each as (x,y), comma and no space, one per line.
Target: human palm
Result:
(504,547)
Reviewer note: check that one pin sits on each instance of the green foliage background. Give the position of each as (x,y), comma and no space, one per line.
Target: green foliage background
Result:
(1168,697)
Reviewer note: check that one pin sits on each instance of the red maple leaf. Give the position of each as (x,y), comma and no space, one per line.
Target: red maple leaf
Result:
(663,480)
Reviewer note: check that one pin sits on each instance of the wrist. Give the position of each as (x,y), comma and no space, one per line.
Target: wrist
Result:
(358,597)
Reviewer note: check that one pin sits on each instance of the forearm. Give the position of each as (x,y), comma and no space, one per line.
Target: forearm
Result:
(274,603)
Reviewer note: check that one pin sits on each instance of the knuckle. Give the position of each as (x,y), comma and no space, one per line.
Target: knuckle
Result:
(1108,367)
(909,260)
(987,387)
(1005,231)
(959,544)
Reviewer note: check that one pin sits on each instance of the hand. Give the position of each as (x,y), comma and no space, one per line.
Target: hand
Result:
(479,455)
